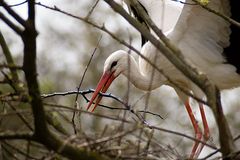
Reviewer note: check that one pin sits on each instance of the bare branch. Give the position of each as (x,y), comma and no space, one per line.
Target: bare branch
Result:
(12,67)
(13,13)
(149,112)
(13,135)
(92,9)
(10,24)
(15,79)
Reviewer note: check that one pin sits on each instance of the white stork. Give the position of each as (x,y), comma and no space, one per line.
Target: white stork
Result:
(207,41)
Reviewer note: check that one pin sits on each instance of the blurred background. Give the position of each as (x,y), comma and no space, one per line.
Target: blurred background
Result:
(64,47)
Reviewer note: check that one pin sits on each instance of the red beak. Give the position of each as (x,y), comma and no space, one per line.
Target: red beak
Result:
(102,86)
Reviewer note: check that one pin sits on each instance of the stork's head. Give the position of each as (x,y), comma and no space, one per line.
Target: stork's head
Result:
(114,65)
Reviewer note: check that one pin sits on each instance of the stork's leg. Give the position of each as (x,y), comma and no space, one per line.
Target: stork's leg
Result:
(197,130)
(206,134)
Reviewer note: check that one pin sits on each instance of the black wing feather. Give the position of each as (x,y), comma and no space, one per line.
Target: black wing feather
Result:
(232,52)
(139,18)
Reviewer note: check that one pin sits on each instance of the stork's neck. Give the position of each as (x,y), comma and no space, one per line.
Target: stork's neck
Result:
(143,82)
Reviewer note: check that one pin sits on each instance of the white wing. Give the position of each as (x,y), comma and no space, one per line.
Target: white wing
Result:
(164,13)
(201,36)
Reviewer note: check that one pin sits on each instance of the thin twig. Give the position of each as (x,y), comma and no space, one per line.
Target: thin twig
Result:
(10,81)
(17,4)
(80,84)
(149,112)
(28,149)
(150,136)
(24,120)
(183,2)
(87,66)
(92,9)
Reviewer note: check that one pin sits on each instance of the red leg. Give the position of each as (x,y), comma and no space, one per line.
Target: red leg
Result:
(205,124)
(198,133)
(206,134)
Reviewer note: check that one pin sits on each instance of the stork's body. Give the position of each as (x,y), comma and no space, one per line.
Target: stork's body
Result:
(202,37)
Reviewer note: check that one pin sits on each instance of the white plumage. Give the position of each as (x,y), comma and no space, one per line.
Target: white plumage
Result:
(199,34)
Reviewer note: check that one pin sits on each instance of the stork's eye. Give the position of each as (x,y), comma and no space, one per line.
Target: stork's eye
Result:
(113,64)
